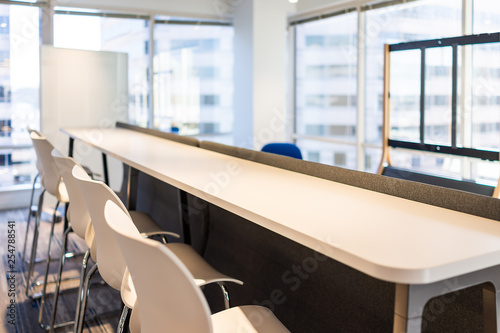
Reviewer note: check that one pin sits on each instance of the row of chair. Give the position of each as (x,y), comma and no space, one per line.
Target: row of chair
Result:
(162,289)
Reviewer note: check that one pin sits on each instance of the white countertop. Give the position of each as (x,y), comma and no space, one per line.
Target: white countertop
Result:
(389,238)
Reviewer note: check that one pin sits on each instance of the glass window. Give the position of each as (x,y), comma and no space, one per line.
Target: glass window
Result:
(313,156)
(193,80)
(209,100)
(438,91)
(373,157)
(326,78)
(117,35)
(486,16)
(418,20)
(19,92)
(483,102)
(339,159)
(485,92)
(328,153)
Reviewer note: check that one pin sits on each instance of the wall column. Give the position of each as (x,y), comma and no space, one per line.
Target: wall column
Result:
(260,76)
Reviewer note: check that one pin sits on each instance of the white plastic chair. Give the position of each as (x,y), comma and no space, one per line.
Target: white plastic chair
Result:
(168,299)
(52,183)
(111,264)
(81,225)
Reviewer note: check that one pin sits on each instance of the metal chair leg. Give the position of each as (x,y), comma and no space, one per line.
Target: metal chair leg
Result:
(29,216)
(50,326)
(83,275)
(225,294)
(35,243)
(47,266)
(83,301)
(122,324)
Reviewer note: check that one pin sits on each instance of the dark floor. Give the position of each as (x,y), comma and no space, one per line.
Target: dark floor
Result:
(102,299)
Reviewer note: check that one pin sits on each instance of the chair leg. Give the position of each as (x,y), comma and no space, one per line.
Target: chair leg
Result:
(35,244)
(83,301)
(124,318)
(225,295)
(58,286)
(47,266)
(29,217)
(83,275)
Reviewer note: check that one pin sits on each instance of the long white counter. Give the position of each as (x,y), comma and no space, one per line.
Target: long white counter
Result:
(386,237)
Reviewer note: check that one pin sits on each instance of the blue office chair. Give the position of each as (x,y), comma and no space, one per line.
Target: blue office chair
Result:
(286,149)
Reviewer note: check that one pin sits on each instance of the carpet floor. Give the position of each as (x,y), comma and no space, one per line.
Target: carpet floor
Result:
(22,316)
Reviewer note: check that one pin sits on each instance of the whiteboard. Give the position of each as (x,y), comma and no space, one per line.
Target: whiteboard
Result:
(82,88)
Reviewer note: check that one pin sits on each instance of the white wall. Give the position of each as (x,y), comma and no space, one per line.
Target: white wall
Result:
(243,102)
(199,8)
(307,8)
(190,8)
(260,76)
(306,5)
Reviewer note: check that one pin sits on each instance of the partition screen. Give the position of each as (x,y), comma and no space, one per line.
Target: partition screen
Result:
(127,35)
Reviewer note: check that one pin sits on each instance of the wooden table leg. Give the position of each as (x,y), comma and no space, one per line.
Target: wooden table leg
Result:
(491,308)
(407,312)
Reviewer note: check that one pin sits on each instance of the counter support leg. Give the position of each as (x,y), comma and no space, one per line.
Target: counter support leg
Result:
(407,313)
(491,309)
(71,145)
(410,300)
(105,168)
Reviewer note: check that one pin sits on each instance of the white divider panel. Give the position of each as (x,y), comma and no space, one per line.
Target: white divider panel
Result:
(80,89)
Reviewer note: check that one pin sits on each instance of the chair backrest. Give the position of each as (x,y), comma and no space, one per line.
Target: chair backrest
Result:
(78,212)
(109,258)
(166,293)
(285,149)
(38,163)
(49,172)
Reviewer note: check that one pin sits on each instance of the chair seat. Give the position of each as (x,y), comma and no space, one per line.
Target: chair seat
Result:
(202,271)
(147,226)
(248,318)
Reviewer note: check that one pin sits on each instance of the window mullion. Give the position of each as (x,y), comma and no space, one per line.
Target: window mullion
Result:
(466,84)
(360,122)
(151,56)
